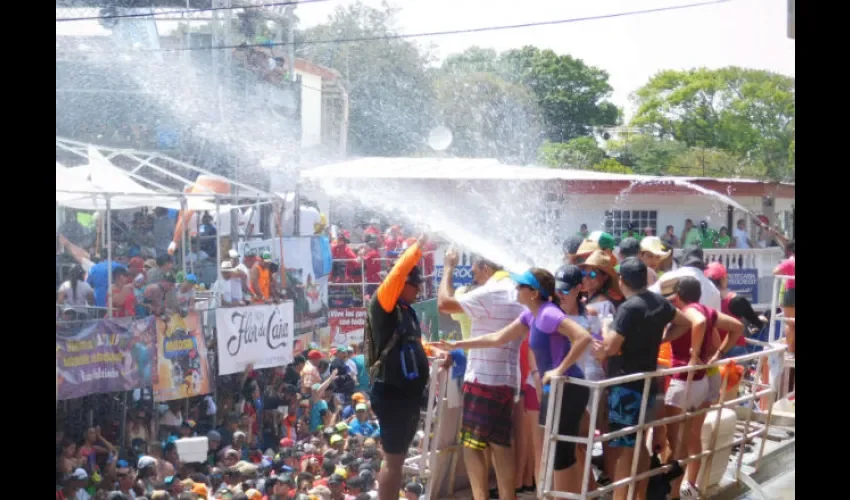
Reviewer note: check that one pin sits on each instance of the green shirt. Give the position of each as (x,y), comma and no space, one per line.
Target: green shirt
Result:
(636,236)
(708,238)
(723,241)
(692,237)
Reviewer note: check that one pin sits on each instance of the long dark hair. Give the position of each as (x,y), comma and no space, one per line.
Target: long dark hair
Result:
(75,276)
(547,285)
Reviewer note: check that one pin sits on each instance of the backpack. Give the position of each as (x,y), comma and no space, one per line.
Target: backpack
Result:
(374,357)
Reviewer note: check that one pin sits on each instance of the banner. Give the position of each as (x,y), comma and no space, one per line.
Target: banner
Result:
(105,356)
(429,320)
(182,362)
(347,326)
(745,282)
(261,335)
(461,277)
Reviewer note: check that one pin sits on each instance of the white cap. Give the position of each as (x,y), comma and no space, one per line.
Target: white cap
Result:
(80,475)
(227,266)
(233,254)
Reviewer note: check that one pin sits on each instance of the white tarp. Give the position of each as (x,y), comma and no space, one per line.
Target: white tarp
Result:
(100,177)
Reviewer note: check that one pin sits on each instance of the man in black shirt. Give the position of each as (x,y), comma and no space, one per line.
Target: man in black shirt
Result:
(632,344)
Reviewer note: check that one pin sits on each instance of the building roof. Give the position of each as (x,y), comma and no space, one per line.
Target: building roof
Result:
(476,169)
(491,169)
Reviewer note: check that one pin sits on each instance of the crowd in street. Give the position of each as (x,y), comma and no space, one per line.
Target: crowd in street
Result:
(338,425)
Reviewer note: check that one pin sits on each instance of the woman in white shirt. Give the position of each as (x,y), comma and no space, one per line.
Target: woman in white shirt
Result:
(76,292)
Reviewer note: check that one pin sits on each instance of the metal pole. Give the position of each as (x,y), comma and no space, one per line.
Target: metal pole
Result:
(184,207)
(639,444)
(594,413)
(109,256)
(219,258)
(123,432)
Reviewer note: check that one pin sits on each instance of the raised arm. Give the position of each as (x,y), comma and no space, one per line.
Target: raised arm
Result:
(390,289)
(446,301)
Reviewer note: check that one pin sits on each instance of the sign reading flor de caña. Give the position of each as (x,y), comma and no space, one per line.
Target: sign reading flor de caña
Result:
(261,335)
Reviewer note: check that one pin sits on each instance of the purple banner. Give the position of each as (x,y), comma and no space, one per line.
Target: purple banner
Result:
(105,356)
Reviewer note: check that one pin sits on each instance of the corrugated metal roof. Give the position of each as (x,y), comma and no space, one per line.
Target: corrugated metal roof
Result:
(472,169)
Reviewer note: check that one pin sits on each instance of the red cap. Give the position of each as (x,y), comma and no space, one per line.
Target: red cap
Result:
(287,443)
(715,271)
(314,355)
(137,262)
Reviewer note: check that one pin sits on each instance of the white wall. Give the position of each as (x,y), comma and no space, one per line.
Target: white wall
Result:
(311,109)
(672,209)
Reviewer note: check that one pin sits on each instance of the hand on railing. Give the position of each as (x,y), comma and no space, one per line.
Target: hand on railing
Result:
(551,375)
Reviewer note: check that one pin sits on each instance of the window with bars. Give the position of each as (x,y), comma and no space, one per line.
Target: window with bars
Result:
(617,221)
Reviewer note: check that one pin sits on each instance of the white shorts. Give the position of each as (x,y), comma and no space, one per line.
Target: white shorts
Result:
(714,383)
(697,394)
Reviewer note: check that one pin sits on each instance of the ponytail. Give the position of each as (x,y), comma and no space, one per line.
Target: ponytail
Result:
(76,275)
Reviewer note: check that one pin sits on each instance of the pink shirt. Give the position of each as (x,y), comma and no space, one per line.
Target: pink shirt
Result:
(786,268)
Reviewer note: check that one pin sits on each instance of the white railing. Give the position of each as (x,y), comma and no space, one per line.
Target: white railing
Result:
(757,390)
(763,259)
(775,335)
(423,464)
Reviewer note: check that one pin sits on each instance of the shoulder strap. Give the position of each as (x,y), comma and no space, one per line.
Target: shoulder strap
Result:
(375,367)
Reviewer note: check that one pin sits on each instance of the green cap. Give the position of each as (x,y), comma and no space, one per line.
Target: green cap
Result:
(361,407)
(267,256)
(596,240)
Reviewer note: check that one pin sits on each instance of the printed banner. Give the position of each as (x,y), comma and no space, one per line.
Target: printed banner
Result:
(429,319)
(745,282)
(261,335)
(105,356)
(461,277)
(182,362)
(347,326)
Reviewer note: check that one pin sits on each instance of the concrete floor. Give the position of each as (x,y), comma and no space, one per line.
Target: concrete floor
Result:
(778,488)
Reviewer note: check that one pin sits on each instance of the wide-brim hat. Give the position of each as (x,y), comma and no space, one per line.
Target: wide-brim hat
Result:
(604,262)
(655,246)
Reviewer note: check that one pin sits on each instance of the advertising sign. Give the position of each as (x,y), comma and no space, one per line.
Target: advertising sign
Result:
(261,335)
(745,282)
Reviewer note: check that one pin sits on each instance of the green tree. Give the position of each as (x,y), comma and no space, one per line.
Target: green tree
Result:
(572,95)
(474,59)
(488,117)
(390,94)
(580,153)
(748,113)
(611,166)
(646,154)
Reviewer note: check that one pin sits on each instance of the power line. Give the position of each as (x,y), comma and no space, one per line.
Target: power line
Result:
(187,11)
(452,32)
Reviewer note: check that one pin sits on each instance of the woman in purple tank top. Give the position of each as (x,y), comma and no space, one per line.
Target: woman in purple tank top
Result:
(558,344)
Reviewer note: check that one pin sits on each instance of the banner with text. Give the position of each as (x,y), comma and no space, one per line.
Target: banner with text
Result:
(461,277)
(745,282)
(182,362)
(105,356)
(347,326)
(262,335)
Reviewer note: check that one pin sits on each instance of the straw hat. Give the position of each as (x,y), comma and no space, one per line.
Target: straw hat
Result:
(668,286)
(604,262)
(655,246)
(597,240)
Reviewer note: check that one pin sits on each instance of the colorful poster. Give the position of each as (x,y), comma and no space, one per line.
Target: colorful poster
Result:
(347,326)
(105,356)
(308,266)
(429,319)
(261,335)
(182,362)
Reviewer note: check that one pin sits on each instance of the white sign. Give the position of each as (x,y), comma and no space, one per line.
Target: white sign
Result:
(261,335)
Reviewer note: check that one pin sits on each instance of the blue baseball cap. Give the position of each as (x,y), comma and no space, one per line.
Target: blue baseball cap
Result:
(528,279)
(191,278)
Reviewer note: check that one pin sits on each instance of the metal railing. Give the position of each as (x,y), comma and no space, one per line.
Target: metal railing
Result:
(363,284)
(757,390)
(776,334)
(423,464)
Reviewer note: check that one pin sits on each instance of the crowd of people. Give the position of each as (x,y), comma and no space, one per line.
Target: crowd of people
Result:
(606,313)
(338,425)
(704,236)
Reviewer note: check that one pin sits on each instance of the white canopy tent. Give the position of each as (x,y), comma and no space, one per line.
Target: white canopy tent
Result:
(116,179)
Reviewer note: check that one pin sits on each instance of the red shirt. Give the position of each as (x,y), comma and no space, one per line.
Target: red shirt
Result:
(343,251)
(394,243)
(787,268)
(372,264)
(681,347)
(524,367)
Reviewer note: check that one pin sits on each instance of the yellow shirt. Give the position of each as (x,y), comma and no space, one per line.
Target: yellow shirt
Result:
(463,320)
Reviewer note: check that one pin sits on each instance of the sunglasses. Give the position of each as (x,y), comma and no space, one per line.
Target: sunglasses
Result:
(591,274)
